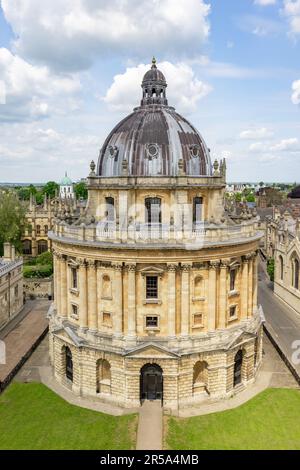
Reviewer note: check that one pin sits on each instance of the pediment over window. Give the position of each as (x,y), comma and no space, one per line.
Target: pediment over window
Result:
(152,270)
(151,350)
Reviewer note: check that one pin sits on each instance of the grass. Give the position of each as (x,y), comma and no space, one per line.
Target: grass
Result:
(269,421)
(33,417)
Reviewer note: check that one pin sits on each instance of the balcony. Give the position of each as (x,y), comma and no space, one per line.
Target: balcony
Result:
(197,236)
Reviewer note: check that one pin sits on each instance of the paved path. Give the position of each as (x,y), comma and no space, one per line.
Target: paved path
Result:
(282,322)
(150,427)
(20,341)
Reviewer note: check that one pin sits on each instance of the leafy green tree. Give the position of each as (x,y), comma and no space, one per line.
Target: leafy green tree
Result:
(250,197)
(238,197)
(271,268)
(24,194)
(50,189)
(81,190)
(12,220)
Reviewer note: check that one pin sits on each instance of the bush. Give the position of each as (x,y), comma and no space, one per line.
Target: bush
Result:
(271,269)
(38,271)
(45,258)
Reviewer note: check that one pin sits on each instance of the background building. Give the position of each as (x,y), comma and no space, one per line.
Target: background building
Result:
(11,285)
(155,282)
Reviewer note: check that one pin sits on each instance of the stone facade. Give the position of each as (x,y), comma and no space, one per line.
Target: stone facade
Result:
(155,284)
(39,221)
(11,285)
(38,288)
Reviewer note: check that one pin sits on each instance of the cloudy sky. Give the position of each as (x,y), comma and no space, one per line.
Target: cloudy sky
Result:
(71,69)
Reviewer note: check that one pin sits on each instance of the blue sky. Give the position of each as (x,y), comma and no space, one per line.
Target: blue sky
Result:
(69,71)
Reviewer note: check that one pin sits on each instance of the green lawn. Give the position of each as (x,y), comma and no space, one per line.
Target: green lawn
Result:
(33,417)
(271,420)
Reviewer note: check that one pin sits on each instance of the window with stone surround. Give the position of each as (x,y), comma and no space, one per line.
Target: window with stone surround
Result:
(74,278)
(233,273)
(151,322)
(38,229)
(103,379)
(151,287)
(74,311)
(107,319)
(232,312)
(197,209)
(198,320)
(106,287)
(198,288)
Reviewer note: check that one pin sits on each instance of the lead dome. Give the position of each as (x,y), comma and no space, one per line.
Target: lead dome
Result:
(154,140)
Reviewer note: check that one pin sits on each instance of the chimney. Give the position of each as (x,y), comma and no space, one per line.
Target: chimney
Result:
(7,252)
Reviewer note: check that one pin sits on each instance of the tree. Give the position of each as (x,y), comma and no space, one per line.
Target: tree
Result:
(261,184)
(50,189)
(81,190)
(12,220)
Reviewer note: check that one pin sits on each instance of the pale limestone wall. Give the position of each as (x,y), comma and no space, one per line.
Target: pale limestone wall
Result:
(38,288)
(11,292)
(178,387)
(288,249)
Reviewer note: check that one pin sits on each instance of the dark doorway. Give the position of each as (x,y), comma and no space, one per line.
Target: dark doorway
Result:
(238,362)
(151,382)
(69,365)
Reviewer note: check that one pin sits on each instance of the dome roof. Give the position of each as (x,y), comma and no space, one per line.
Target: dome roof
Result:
(66,181)
(154,140)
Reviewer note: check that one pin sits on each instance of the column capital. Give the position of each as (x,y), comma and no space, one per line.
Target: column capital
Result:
(91,263)
(186,268)
(131,267)
(225,263)
(172,268)
(214,264)
(117,267)
(81,262)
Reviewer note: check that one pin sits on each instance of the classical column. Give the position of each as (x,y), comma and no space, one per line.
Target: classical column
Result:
(55,278)
(250,287)
(185,299)
(92,296)
(99,275)
(131,300)
(57,282)
(118,295)
(172,299)
(63,287)
(212,295)
(83,311)
(255,280)
(223,294)
(244,288)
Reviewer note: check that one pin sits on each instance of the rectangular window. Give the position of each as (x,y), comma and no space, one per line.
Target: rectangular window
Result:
(74,278)
(38,229)
(46,229)
(197,209)
(153,210)
(198,320)
(16,291)
(151,322)
(232,279)
(106,319)
(232,312)
(110,209)
(74,311)
(151,287)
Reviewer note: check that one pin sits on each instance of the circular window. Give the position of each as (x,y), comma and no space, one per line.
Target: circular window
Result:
(195,151)
(152,151)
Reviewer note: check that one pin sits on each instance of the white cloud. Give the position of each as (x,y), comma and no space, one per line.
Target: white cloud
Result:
(256,134)
(287,145)
(291,9)
(265,3)
(69,34)
(296,92)
(184,89)
(33,92)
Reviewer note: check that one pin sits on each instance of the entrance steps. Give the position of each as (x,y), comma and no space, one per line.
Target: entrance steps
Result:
(150,427)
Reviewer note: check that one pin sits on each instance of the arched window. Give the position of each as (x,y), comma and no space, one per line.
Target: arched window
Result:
(42,246)
(69,364)
(153,210)
(46,229)
(110,209)
(197,209)
(238,363)
(280,267)
(198,287)
(200,377)
(103,376)
(27,247)
(295,271)
(106,287)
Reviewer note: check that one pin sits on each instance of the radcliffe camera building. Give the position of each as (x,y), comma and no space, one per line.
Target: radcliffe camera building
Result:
(155,282)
